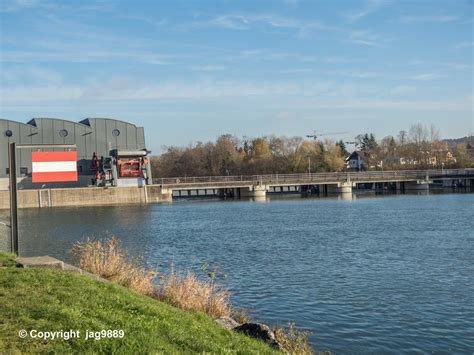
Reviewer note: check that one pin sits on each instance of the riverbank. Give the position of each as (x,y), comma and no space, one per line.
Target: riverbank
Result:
(40,300)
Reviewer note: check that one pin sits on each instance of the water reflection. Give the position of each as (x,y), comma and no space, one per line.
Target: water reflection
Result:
(347,196)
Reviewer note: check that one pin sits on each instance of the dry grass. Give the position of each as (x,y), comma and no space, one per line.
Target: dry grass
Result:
(292,340)
(106,259)
(241,316)
(189,293)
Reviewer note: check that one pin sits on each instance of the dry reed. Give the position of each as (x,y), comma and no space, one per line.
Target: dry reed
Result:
(241,316)
(292,340)
(106,259)
(189,293)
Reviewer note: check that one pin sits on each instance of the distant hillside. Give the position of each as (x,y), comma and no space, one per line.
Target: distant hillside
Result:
(455,141)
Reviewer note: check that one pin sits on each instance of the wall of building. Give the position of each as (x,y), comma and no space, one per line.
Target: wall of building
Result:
(99,135)
(87,196)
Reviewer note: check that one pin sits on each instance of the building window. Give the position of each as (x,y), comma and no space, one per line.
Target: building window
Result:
(23,171)
(8,133)
(63,133)
(115,132)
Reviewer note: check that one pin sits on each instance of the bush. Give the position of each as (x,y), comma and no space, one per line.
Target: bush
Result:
(189,293)
(241,316)
(106,259)
(292,340)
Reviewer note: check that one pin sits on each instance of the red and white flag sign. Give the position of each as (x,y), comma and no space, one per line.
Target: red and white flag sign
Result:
(54,166)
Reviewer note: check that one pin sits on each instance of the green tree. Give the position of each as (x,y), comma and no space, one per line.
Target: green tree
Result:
(342,147)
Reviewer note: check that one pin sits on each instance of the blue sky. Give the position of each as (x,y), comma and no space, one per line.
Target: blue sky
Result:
(189,71)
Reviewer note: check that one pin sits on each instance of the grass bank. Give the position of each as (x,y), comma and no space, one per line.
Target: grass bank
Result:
(50,300)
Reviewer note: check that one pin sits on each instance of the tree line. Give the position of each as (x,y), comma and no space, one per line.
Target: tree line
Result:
(419,147)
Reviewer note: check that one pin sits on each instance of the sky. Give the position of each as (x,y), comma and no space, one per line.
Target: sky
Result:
(189,71)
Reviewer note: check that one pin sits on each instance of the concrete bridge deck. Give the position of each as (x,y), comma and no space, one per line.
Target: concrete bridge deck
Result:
(164,189)
(338,179)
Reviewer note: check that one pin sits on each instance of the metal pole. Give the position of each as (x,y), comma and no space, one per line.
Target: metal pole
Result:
(13,197)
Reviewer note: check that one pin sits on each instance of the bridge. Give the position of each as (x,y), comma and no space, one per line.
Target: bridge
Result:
(337,182)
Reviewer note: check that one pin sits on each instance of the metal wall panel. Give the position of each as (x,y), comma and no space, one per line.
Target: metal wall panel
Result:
(140,138)
(89,142)
(47,132)
(3,147)
(131,135)
(121,139)
(57,126)
(70,127)
(24,155)
(36,136)
(21,133)
(100,137)
(110,125)
(92,135)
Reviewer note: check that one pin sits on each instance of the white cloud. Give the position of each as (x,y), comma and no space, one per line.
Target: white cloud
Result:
(234,22)
(283,116)
(297,71)
(143,19)
(458,66)
(465,44)
(132,89)
(250,53)
(403,90)
(362,75)
(366,38)
(208,68)
(13,75)
(249,21)
(370,7)
(425,18)
(82,54)
(293,96)
(16,5)
(425,77)
(399,105)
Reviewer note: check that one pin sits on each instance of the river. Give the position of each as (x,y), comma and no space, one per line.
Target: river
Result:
(390,274)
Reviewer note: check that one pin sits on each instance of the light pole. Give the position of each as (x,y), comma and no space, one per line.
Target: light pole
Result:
(309,164)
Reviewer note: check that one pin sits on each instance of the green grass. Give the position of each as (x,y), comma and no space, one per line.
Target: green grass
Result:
(7,259)
(50,300)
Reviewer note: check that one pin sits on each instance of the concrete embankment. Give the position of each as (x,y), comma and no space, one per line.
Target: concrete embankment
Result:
(86,196)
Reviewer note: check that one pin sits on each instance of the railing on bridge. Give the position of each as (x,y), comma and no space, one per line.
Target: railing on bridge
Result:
(319,177)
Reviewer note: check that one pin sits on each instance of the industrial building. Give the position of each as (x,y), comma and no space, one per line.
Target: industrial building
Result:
(107,149)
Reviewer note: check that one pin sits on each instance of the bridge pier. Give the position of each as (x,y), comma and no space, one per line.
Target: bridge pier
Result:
(340,188)
(462,183)
(253,191)
(400,186)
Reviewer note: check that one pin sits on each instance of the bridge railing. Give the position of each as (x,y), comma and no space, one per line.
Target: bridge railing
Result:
(317,177)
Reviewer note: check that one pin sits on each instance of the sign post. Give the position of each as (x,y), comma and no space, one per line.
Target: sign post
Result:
(47,167)
(13,197)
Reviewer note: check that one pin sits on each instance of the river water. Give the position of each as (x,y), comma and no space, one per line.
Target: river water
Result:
(391,274)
